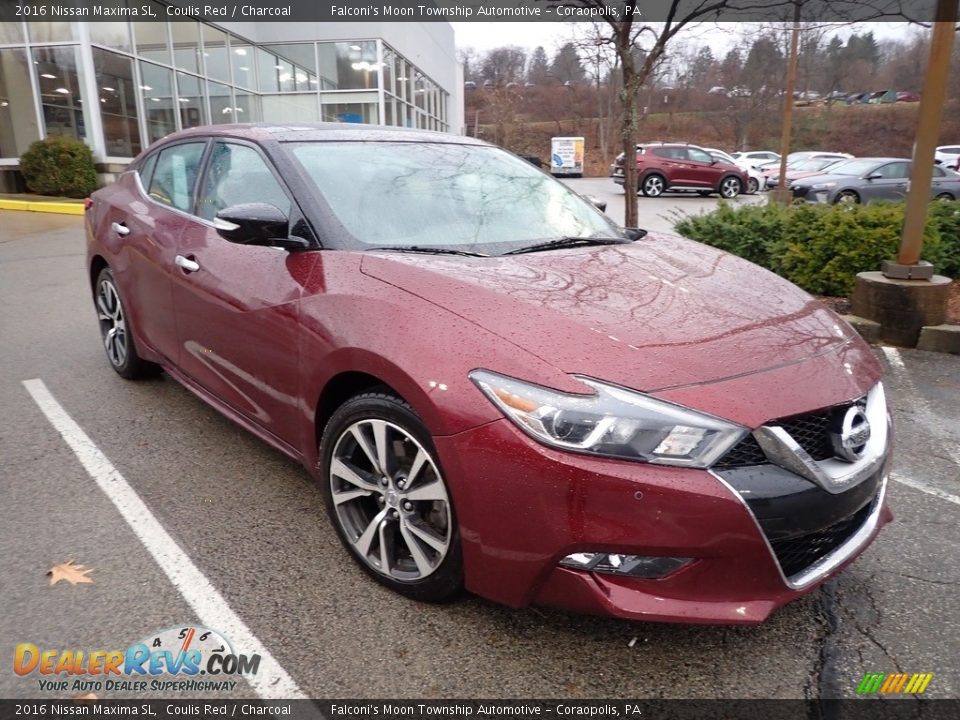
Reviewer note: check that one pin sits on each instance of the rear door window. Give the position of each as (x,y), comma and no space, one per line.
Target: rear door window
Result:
(175,175)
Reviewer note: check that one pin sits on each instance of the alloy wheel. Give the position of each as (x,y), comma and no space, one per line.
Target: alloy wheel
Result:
(730,187)
(113,324)
(390,500)
(653,186)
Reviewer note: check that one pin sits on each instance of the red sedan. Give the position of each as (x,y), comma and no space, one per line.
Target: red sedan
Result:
(496,387)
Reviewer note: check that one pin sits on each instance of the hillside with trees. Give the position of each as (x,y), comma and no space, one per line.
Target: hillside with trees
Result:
(733,100)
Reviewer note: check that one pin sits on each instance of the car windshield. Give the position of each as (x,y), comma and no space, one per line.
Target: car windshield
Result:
(853,167)
(446,196)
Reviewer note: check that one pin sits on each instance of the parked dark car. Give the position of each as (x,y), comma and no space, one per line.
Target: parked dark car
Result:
(663,167)
(864,180)
(496,387)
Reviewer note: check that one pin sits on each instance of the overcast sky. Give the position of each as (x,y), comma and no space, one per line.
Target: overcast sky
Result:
(484,36)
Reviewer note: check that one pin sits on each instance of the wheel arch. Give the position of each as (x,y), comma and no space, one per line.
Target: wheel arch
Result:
(340,388)
(97,264)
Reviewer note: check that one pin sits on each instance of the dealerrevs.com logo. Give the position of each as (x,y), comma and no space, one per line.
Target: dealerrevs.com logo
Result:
(169,661)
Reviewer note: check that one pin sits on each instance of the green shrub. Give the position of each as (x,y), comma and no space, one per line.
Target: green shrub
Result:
(745,231)
(821,248)
(945,216)
(59,166)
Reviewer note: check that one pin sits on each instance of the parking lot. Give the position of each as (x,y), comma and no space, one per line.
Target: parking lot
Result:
(269,566)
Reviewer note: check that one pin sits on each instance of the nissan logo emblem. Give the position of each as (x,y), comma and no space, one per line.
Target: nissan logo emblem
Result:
(854,433)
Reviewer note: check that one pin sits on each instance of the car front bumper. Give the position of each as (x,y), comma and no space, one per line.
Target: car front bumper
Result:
(523,507)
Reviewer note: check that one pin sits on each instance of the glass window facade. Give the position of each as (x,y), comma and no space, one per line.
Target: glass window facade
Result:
(18,116)
(153,78)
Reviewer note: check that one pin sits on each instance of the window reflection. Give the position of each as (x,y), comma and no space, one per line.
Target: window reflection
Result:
(118,106)
(50,31)
(112,34)
(11,33)
(158,100)
(60,95)
(348,65)
(151,37)
(185,36)
(242,59)
(192,109)
(222,108)
(284,108)
(216,54)
(18,118)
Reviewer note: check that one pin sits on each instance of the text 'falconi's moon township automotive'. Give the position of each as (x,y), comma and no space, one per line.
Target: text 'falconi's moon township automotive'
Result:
(497,388)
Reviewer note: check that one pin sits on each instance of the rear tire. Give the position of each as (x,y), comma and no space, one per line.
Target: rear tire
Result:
(653,185)
(945,197)
(753,186)
(115,331)
(387,498)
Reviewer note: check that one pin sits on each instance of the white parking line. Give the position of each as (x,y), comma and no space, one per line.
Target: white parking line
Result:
(272,681)
(920,405)
(923,487)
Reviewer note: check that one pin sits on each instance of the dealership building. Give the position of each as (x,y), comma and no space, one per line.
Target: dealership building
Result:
(118,86)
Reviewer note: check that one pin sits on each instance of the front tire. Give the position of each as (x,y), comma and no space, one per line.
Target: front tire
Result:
(847,197)
(115,332)
(730,187)
(653,185)
(387,498)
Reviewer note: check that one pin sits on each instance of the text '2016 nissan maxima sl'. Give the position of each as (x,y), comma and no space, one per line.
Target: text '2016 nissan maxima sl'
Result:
(496,387)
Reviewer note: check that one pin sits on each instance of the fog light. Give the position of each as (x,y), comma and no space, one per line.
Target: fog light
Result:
(631,565)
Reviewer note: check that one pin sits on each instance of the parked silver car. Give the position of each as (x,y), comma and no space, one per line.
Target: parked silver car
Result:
(863,180)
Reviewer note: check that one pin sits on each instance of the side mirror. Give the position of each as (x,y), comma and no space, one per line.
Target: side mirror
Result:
(634,234)
(874,176)
(256,224)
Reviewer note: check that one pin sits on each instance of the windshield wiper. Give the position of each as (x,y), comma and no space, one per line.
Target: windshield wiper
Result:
(572,241)
(429,250)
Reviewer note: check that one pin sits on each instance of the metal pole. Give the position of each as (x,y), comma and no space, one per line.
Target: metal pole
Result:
(782,194)
(928,131)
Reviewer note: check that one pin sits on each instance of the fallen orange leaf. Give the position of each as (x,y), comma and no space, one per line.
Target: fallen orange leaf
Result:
(69,571)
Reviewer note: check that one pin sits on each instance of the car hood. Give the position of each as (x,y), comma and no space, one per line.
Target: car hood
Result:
(659,313)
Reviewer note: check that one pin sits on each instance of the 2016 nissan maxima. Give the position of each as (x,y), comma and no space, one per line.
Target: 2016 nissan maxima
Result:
(496,387)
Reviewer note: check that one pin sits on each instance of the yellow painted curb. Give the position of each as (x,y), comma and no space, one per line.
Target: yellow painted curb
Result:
(63,208)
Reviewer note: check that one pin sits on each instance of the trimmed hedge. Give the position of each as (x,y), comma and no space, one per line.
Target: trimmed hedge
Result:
(821,248)
(59,166)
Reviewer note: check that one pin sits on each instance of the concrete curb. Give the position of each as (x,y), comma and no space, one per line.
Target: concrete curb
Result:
(62,208)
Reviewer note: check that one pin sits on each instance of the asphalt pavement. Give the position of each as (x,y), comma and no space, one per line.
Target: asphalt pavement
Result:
(252,525)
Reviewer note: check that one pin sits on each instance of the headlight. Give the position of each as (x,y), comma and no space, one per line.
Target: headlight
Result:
(823,186)
(611,421)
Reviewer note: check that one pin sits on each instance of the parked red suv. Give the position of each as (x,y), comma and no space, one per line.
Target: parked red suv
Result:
(681,166)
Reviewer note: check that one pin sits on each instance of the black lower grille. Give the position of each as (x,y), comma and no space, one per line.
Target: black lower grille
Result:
(800,191)
(797,554)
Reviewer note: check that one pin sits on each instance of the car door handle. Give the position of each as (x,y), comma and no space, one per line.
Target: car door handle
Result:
(120,229)
(186,263)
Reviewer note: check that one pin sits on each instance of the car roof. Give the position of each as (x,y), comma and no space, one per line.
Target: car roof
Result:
(324,131)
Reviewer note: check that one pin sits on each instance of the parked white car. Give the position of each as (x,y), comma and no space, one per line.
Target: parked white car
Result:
(755,178)
(752,158)
(947,155)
